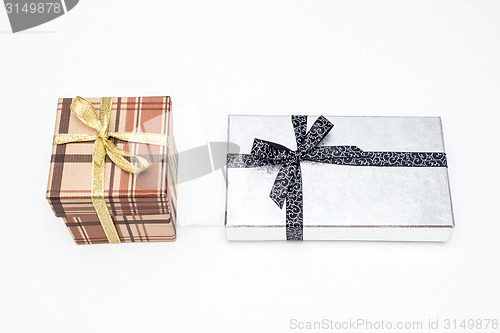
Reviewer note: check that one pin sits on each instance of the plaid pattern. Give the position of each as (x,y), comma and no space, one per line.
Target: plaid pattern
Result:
(129,197)
(86,229)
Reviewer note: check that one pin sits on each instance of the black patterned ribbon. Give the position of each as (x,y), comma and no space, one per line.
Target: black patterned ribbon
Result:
(288,184)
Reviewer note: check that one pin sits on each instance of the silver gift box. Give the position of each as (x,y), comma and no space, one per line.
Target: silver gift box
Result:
(343,202)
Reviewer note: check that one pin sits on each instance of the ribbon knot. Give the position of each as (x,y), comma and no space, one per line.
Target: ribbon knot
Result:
(85,111)
(299,156)
(103,135)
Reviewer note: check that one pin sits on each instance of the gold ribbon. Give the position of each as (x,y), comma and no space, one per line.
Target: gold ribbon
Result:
(85,111)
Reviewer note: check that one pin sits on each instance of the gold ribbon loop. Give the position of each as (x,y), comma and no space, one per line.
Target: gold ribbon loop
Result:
(85,111)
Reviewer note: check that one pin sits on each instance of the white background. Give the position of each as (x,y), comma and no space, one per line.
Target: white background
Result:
(439,58)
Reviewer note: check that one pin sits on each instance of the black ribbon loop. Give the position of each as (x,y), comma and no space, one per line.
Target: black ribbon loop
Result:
(287,186)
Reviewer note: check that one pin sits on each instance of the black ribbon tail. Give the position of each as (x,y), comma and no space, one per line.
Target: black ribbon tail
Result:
(294,208)
(281,184)
(288,188)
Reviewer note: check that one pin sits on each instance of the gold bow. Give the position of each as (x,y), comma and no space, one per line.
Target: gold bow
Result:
(84,110)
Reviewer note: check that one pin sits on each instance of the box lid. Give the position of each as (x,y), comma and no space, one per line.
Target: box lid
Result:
(69,183)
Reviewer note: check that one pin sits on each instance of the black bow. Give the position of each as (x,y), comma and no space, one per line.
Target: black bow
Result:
(288,184)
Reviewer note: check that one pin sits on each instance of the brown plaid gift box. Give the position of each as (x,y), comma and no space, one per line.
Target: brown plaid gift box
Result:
(142,205)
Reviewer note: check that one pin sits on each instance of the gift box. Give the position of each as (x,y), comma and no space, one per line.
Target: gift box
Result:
(113,171)
(337,178)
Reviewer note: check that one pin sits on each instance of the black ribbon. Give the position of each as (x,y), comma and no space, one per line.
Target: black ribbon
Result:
(288,184)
